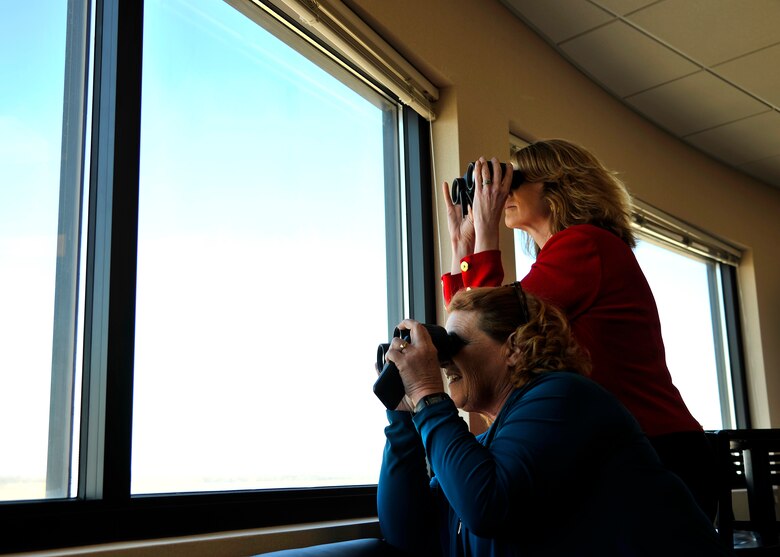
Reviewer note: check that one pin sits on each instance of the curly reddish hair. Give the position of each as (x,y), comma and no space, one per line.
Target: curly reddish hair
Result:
(542,340)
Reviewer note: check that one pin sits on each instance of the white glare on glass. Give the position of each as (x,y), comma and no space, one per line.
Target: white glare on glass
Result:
(523,261)
(32,58)
(261,263)
(681,290)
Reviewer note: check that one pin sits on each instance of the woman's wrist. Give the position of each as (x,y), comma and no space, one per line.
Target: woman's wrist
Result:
(487,241)
(420,393)
(430,400)
(457,257)
(461,250)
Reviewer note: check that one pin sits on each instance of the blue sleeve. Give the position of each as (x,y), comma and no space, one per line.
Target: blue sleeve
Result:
(542,436)
(407,508)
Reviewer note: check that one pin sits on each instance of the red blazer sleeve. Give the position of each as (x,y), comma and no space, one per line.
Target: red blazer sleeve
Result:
(567,272)
(479,269)
(450,284)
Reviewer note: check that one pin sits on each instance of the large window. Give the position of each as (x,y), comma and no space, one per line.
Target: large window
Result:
(200,254)
(691,311)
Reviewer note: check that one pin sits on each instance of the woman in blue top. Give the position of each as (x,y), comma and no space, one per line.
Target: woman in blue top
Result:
(563,470)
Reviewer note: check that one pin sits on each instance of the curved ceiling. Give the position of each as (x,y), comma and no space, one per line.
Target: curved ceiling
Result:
(707,71)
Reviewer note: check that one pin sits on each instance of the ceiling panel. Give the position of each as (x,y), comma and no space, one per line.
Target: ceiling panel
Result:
(694,103)
(639,63)
(767,170)
(707,71)
(744,141)
(713,31)
(560,19)
(758,72)
(623,7)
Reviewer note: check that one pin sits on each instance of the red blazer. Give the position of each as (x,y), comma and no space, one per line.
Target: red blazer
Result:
(594,277)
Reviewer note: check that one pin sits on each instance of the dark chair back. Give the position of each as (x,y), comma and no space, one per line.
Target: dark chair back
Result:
(748,459)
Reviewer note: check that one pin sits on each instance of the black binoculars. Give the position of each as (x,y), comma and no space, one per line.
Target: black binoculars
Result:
(462,190)
(388,387)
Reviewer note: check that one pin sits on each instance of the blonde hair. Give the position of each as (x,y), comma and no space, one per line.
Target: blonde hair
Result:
(578,188)
(543,343)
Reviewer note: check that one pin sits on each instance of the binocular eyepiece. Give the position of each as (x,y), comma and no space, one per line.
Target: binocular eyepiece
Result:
(462,189)
(388,387)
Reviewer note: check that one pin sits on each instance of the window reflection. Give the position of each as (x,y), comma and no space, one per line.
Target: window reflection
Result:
(39,188)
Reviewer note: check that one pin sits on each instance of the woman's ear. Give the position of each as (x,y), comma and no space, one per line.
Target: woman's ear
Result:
(513,356)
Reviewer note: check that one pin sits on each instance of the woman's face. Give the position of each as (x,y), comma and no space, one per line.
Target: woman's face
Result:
(525,208)
(478,376)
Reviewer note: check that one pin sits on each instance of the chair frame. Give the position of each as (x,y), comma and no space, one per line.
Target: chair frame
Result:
(748,459)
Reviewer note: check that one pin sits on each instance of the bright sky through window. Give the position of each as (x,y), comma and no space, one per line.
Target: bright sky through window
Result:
(32,58)
(261,267)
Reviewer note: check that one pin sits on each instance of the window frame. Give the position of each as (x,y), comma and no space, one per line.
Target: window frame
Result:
(715,269)
(736,351)
(724,259)
(67,284)
(103,509)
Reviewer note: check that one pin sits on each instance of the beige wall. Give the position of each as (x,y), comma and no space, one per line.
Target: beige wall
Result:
(497,77)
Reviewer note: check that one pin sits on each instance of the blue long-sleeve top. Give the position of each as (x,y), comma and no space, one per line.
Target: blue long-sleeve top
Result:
(563,471)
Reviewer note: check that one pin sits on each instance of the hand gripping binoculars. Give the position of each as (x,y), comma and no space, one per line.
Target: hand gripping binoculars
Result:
(388,387)
(462,189)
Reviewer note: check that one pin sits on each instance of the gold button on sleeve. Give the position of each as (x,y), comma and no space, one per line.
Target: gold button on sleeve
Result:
(464,266)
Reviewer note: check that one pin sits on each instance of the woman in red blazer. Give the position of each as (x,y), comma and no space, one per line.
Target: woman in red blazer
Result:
(577,214)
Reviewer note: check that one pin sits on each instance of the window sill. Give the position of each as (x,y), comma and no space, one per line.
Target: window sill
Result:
(228,544)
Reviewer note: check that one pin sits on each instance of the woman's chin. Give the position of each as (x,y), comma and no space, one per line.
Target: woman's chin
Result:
(510,221)
(456,394)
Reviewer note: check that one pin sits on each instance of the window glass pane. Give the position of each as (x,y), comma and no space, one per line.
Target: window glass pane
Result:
(523,260)
(32,60)
(681,289)
(262,290)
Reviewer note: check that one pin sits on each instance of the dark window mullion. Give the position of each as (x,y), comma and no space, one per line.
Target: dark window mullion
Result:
(104,471)
(735,345)
(422,303)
